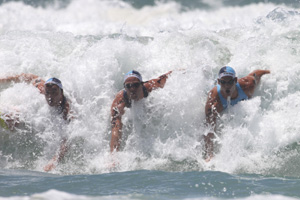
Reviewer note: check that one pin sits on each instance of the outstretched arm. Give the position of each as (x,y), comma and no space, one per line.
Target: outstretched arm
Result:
(57,158)
(250,82)
(19,78)
(117,110)
(28,78)
(212,108)
(257,74)
(68,113)
(157,83)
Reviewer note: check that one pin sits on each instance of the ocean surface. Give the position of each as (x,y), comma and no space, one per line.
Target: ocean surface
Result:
(90,44)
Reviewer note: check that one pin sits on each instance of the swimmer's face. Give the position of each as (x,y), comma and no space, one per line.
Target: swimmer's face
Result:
(227,84)
(53,95)
(133,86)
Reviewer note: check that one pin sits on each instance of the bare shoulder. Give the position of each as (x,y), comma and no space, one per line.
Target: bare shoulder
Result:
(248,84)
(151,85)
(118,105)
(120,95)
(213,100)
(213,94)
(148,85)
(247,81)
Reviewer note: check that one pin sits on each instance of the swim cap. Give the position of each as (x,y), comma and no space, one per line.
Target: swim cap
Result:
(133,73)
(54,81)
(227,71)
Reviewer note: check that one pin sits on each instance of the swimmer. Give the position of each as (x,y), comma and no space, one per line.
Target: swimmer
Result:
(52,89)
(135,89)
(231,88)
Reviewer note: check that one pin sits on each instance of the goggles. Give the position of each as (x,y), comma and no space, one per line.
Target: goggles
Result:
(231,82)
(130,85)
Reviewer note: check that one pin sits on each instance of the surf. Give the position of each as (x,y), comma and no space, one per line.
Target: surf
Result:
(91,51)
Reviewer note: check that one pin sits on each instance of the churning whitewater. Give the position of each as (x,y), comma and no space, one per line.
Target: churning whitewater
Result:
(90,45)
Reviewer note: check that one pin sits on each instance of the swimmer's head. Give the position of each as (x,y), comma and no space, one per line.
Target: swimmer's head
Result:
(133,73)
(54,81)
(227,80)
(54,92)
(133,85)
(227,71)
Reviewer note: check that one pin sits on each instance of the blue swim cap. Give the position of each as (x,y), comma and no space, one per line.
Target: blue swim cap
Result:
(133,73)
(227,71)
(54,81)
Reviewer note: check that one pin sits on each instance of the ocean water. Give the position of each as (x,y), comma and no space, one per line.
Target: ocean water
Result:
(90,44)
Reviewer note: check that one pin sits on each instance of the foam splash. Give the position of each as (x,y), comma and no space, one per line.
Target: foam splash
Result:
(91,50)
(64,195)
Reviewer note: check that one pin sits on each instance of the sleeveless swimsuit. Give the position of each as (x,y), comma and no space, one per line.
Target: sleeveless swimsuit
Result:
(62,107)
(241,96)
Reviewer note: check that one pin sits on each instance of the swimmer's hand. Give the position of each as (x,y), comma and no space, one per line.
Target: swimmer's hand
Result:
(51,165)
(208,158)
(113,163)
(113,166)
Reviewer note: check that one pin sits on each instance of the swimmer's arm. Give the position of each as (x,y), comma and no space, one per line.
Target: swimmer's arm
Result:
(116,134)
(9,79)
(66,112)
(212,108)
(57,158)
(250,82)
(117,110)
(62,150)
(157,83)
(27,78)
(257,74)
(19,78)
(69,114)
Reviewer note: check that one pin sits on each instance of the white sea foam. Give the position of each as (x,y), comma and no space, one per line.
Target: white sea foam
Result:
(49,195)
(254,197)
(89,45)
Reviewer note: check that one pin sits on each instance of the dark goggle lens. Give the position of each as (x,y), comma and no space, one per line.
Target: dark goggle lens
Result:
(130,85)
(229,82)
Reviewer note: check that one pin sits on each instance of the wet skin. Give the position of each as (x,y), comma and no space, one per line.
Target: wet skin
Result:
(53,95)
(133,87)
(228,88)
(214,106)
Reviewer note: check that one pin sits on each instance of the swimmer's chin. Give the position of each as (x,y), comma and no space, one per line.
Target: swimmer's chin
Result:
(51,103)
(133,97)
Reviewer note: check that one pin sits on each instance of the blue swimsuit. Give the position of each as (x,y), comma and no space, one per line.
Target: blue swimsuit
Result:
(241,96)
